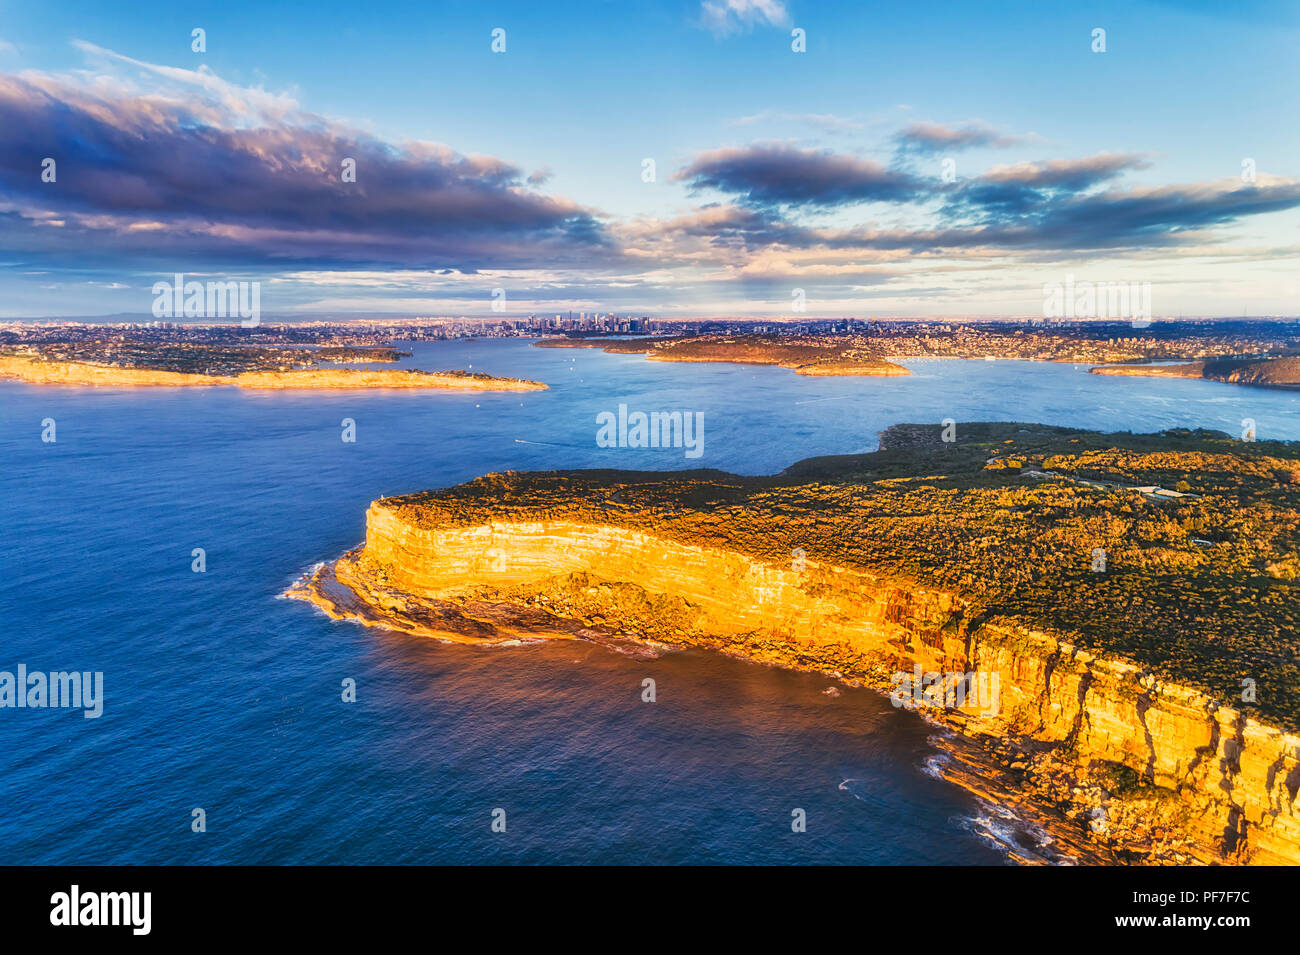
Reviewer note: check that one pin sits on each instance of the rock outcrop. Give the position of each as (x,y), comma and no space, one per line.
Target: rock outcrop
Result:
(1188,779)
(1142,645)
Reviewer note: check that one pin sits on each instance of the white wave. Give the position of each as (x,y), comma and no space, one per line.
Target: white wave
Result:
(934,764)
(1009,833)
(846,788)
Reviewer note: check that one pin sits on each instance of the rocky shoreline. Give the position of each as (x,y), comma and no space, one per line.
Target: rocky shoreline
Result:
(1135,643)
(991,768)
(1083,811)
(1114,765)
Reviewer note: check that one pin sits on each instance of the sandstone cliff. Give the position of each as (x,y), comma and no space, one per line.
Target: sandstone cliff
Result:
(1144,764)
(38,372)
(1223,786)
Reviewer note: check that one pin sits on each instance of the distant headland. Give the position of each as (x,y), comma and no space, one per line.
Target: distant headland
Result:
(1281,372)
(876,351)
(254,368)
(806,356)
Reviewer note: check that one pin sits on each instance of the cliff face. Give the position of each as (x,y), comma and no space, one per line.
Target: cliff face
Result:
(86,374)
(1218,785)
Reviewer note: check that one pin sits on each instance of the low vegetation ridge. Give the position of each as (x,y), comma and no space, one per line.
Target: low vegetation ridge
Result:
(1283,372)
(1175,550)
(805,355)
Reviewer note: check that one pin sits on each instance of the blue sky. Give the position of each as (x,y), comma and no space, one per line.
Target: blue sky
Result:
(775,170)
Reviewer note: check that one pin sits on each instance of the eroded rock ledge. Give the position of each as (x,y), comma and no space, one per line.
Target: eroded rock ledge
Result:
(1143,767)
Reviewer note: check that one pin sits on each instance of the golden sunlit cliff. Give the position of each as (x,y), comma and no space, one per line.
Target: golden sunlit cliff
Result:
(1130,727)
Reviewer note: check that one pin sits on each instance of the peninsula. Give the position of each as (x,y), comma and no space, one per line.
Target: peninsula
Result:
(1281,372)
(805,355)
(876,351)
(34,368)
(1136,596)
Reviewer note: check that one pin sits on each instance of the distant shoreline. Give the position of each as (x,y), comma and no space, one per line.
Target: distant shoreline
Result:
(803,357)
(85,374)
(1279,373)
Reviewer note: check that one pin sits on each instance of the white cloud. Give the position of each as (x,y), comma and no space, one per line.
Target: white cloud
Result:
(728,16)
(252,104)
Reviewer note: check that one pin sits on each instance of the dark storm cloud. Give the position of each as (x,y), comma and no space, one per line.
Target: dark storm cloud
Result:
(185,168)
(202,175)
(1026,187)
(1051,205)
(1158,216)
(1146,218)
(1143,218)
(778,174)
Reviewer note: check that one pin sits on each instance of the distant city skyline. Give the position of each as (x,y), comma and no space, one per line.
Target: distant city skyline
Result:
(726,158)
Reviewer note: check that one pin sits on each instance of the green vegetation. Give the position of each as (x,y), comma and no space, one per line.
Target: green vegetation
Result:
(1201,589)
(199,358)
(827,355)
(1279,372)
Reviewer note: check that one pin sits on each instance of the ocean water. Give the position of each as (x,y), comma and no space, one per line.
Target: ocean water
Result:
(221,696)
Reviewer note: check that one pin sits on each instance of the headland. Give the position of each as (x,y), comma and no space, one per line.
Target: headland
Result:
(1144,643)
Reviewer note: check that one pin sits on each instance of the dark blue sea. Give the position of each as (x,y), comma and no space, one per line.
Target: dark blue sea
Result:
(222,697)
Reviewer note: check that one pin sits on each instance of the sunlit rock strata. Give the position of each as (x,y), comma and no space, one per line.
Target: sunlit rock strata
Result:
(1144,767)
